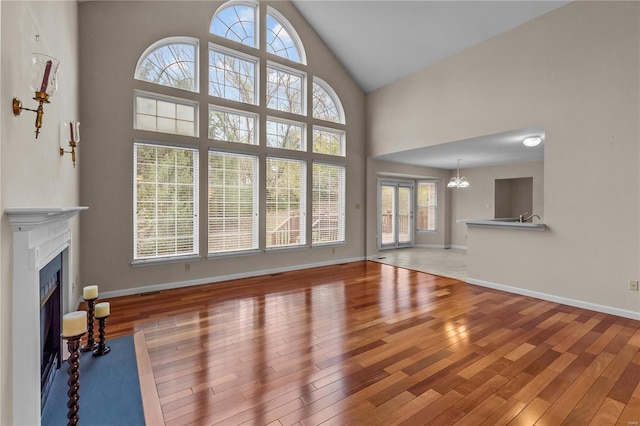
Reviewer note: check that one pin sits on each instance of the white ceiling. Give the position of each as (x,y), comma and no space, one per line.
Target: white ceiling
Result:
(482,151)
(381,41)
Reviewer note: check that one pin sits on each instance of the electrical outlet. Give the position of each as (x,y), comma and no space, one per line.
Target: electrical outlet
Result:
(633,285)
(187,267)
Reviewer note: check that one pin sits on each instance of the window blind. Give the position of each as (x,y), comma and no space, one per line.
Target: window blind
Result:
(165,201)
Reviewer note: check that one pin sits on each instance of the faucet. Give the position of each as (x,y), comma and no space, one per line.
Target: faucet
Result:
(525,218)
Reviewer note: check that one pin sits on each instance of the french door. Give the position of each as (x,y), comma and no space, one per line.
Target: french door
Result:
(395,214)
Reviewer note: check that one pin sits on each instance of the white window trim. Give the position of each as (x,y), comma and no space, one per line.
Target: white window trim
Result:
(256,205)
(334,96)
(427,231)
(304,202)
(343,140)
(242,112)
(303,135)
(303,84)
(240,55)
(168,41)
(343,201)
(256,20)
(295,37)
(173,99)
(196,209)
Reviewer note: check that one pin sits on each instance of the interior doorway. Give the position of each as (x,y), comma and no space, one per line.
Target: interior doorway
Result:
(395,214)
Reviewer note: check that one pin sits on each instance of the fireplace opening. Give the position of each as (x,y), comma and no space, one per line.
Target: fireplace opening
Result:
(50,320)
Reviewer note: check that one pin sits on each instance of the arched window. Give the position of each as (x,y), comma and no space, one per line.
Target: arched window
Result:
(236,22)
(326,105)
(251,121)
(282,39)
(171,62)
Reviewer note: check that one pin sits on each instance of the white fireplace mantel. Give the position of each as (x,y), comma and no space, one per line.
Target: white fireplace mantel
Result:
(39,235)
(23,219)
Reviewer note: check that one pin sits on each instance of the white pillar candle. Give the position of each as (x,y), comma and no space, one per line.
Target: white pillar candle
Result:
(103,310)
(74,323)
(90,292)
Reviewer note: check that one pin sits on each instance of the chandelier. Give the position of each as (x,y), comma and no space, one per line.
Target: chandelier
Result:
(457,181)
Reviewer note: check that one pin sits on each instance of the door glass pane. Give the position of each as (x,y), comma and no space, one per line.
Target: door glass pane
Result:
(404,212)
(388,224)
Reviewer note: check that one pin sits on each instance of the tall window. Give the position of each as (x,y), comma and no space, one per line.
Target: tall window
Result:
(250,121)
(166,201)
(286,201)
(233,202)
(328,203)
(427,205)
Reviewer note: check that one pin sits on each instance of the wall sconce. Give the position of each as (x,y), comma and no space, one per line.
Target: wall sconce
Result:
(71,132)
(44,82)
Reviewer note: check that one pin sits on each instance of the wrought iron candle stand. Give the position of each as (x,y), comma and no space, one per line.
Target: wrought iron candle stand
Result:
(73,344)
(91,344)
(102,349)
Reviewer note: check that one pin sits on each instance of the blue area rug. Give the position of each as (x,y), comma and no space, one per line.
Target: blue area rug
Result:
(109,389)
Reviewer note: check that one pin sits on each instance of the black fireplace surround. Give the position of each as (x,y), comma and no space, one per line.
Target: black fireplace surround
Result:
(50,320)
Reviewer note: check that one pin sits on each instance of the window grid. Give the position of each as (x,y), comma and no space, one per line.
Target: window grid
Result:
(171,62)
(233,202)
(285,134)
(232,125)
(279,40)
(232,77)
(328,203)
(286,202)
(236,23)
(165,115)
(285,90)
(326,105)
(165,201)
(427,201)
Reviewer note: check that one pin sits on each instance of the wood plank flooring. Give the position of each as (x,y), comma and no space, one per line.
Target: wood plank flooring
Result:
(365,343)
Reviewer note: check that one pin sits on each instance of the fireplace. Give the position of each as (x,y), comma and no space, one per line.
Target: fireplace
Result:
(40,236)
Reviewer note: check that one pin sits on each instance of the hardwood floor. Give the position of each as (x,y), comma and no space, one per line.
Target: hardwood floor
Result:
(371,344)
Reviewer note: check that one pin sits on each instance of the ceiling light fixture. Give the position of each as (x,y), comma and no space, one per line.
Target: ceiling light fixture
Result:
(457,181)
(532,141)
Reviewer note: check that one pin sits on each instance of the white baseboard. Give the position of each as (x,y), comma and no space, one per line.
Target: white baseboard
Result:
(439,246)
(210,280)
(558,299)
(457,247)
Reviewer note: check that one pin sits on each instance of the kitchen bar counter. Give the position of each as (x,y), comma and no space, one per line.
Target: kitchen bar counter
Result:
(506,223)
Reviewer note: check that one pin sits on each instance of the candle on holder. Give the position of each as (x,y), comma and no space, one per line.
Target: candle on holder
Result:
(74,323)
(90,292)
(103,310)
(45,77)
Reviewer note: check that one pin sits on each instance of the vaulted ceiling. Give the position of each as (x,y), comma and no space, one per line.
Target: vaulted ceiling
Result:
(381,41)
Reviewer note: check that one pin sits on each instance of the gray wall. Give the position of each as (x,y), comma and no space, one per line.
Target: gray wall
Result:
(575,71)
(32,172)
(113,36)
